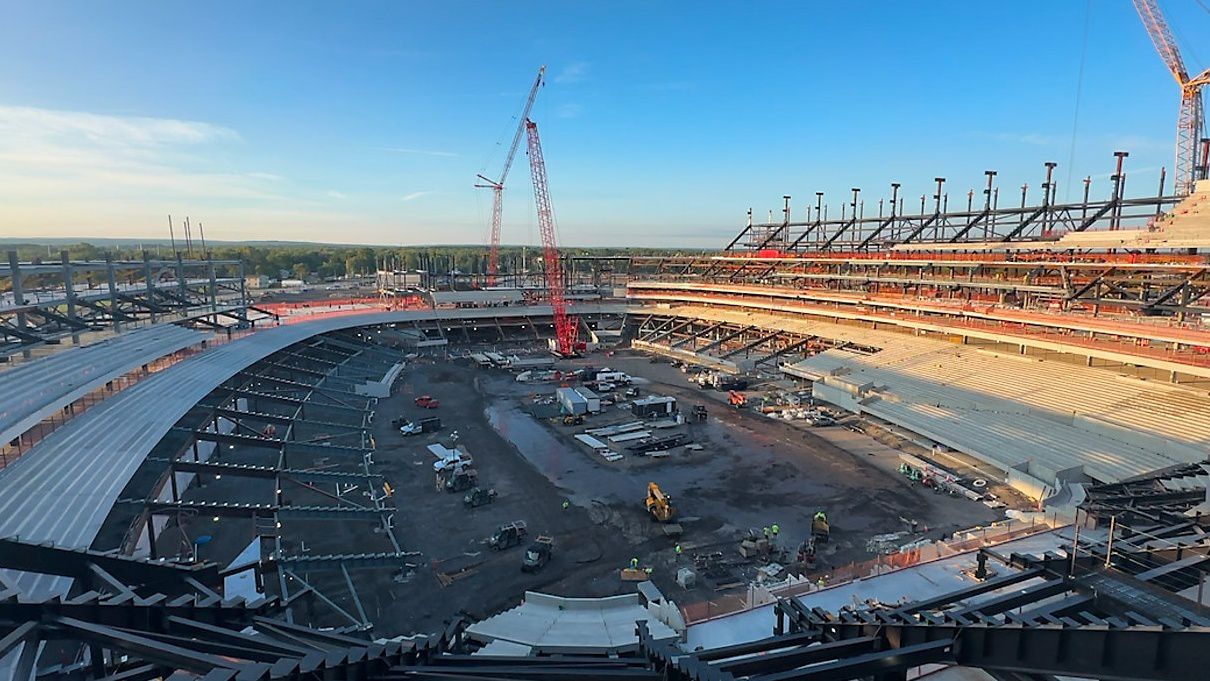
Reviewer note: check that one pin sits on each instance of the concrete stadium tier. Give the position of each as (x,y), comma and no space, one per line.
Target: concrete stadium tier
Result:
(1037,420)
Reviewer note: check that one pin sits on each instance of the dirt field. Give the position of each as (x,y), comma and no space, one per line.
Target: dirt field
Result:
(751,472)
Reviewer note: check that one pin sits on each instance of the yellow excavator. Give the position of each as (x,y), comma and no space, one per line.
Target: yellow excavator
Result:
(659,505)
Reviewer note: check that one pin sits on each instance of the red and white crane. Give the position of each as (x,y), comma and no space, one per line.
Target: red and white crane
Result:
(497,186)
(566,327)
(1190,122)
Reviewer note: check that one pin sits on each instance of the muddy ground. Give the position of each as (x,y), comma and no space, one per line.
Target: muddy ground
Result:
(751,472)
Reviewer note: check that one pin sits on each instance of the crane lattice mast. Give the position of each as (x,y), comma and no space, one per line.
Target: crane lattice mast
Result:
(566,328)
(1190,122)
(497,186)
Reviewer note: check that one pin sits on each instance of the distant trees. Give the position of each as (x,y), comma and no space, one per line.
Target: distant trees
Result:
(327,261)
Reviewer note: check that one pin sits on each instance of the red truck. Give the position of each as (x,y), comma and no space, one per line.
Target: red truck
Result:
(427,402)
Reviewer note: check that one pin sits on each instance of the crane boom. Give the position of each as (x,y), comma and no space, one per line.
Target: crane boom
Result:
(497,186)
(529,105)
(1190,121)
(1161,37)
(566,328)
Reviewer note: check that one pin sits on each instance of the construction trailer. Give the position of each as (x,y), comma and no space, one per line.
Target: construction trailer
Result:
(592,399)
(572,402)
(653,406)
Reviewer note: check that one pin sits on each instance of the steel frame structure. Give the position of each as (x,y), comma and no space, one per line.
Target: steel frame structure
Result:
(1160,288)
(934,223)
(286,411)
(1051,617)
(1106,610)
(718,343)
(47,302)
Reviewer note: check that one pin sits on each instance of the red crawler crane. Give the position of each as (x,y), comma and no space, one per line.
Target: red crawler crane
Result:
(566,328)
(1189,122)
(497,187)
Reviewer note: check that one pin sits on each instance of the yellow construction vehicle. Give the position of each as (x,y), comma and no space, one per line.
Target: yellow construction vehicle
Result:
(821,531)
(659,505)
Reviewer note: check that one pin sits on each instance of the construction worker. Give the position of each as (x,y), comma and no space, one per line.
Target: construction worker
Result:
(634,563)
(677,549)
(775,529)
(566,504)
(766,531)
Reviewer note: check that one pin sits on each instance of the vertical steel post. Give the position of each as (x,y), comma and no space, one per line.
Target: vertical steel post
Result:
(150,285)
(785,228)
(856,224)
(113,292)
(818,215)
(213,283)
(69,290)
(1087,188)
(180,277)
(1113,523)
(937,207)
(1160,194)
(14,268)
(1119,184)
(1075,545)
(243,293)
(987,204)
(1046,190)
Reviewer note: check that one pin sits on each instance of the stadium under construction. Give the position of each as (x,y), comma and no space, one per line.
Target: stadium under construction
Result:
(177,455)
(963,436)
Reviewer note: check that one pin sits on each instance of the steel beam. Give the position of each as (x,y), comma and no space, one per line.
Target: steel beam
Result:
(236,510)
(144,648)
(751,345)
(872,664)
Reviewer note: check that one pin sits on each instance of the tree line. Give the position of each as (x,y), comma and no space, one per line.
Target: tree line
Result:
(328,261)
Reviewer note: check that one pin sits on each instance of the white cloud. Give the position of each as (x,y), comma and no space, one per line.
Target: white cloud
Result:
(422,152)
(415,195)
(333,194)
(64,156)
(572,73)
(23,122)
(569,110)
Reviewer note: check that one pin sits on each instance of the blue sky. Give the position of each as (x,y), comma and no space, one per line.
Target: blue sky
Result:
(365,122)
